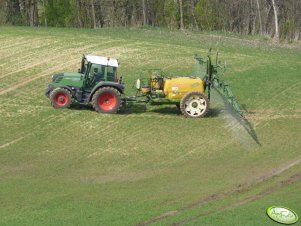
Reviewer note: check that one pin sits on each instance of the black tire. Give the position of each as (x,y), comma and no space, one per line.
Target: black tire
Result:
(194,105)
(106,100)
(60,98)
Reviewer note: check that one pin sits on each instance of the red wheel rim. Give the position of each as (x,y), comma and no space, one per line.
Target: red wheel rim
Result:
(107,101)
(61,99)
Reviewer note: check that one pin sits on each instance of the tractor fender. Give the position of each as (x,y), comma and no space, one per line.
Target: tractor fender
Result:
(115,85)
(72,91)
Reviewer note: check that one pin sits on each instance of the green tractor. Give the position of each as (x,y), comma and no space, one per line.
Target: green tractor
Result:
(96,82)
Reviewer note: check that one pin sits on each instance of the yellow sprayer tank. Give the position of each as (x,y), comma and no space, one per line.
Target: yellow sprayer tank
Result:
(176,88)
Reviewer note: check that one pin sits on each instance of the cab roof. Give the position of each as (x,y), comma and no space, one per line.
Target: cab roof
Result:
(102,60)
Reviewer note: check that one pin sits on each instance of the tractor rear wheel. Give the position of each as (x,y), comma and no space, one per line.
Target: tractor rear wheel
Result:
(194,105)
(106,100)
(60,98)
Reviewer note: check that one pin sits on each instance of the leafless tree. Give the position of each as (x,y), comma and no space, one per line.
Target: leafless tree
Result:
(144,12)
(259,16)
(93,14)
(181,15)
(276,36)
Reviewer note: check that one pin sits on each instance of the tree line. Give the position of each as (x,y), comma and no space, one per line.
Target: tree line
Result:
(280,19)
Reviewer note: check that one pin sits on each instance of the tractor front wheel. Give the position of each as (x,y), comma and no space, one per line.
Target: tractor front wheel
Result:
(194,105)
(60,98)
(106,100)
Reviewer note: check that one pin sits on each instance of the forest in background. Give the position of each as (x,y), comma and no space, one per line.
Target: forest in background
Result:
(279,19)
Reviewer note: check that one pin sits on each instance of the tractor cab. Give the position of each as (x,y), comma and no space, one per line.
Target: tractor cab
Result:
(98,69)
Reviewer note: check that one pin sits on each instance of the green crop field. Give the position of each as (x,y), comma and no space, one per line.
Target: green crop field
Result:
(148,165)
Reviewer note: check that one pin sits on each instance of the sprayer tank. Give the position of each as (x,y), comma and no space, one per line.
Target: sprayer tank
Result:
(176,88)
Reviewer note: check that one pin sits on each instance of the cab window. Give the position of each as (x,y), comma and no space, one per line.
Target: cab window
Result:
(111,74)
(97,72)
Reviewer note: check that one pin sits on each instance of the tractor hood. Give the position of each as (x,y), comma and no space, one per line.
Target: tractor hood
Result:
(74,77)
(68,79)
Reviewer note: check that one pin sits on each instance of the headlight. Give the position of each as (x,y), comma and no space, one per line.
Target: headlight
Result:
(56,76)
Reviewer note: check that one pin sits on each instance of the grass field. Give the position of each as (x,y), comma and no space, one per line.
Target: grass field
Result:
(149,165)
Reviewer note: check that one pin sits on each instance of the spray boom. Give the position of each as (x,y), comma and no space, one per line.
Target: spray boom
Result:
(213,81)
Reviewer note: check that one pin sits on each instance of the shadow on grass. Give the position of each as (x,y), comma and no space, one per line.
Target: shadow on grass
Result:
(171,110)
(143,108)
(81,107)
(214,113)
(137,109)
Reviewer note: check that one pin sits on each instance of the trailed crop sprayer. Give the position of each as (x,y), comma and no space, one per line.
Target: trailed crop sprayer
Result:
(97,83)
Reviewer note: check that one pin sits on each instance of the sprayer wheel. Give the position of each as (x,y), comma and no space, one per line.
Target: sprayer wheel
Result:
(194,105)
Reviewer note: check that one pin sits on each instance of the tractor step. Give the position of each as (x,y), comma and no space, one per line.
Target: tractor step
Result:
(81,96)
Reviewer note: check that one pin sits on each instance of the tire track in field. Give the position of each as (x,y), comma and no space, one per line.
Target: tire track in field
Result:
(12,142)
(14,45)
(284,183)
(61,49)
(277,115)
(30,44)
(103,131)
(222,195)
(41,124)
(18,52)
(280,93)
(265,118)
(69,51)
(64,116)
(194,151)
(107,125)
(145,115)
(33,65)
(79,157)
(47,72)
(25,105)
(40,62)
(27,57)
(8,40)
(56,56)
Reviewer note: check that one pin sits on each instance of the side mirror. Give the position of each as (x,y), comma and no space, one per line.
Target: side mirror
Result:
(138,84)
(78,70)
